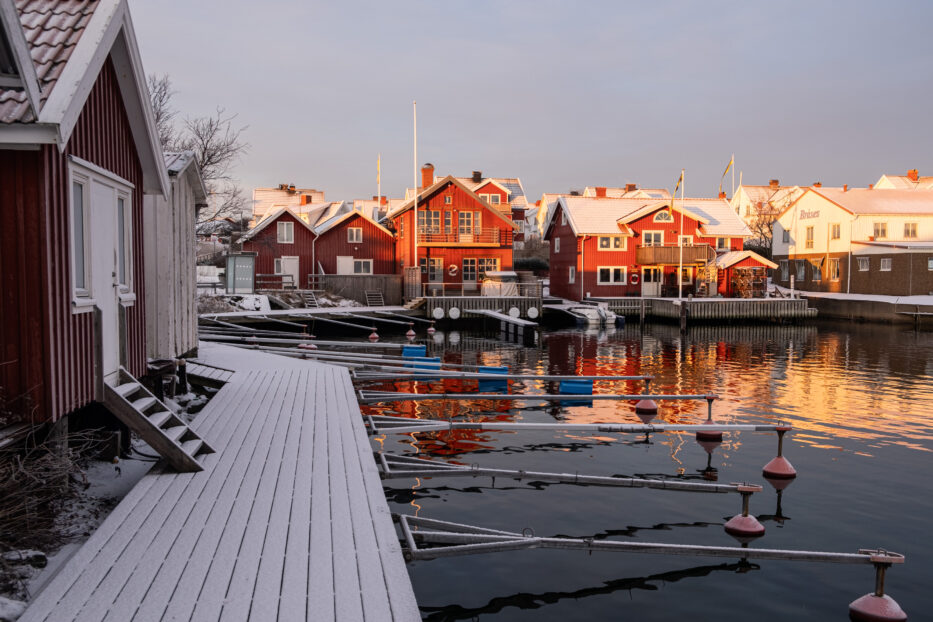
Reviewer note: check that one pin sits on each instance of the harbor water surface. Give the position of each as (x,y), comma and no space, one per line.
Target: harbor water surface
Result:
(859,398)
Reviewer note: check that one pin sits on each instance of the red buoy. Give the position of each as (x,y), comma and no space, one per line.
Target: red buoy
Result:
(780,467)
(411,332)
(779,484)
(373,336)
(872,608)
(744,527)
(431,329)
(709,446)
(646,410)
(307,346)
(713,436)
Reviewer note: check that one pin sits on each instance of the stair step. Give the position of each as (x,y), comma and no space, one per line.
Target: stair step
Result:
(191,447)
(176,432)
(126,389)
(158,419)
(144,402)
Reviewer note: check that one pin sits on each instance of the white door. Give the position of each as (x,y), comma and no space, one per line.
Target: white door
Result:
(344,264)
(651,282)
(290,266)
(104,286)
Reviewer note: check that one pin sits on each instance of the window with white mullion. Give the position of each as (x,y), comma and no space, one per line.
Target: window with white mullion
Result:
(354,235)
(124,242)
(286,232)
(81,274)
(610,275)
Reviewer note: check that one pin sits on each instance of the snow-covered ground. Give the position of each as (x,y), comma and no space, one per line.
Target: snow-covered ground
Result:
(894,300)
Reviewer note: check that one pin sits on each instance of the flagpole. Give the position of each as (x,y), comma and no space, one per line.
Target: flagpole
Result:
(733,176)
(414,112)
(378,181)
(680,239)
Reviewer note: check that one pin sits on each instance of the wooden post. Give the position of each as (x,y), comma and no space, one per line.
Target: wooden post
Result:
(641,311)
(683,316)
(182,367)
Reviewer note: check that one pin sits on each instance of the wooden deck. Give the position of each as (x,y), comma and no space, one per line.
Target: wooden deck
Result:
(287,521)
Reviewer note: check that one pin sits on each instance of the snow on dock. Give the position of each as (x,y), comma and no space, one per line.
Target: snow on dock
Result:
(287,521)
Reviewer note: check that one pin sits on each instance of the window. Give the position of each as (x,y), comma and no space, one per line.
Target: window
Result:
(835,231)
(785,271)
(686,276)
(465,223)
(663,216)
(929,263)
(423,263)
(469,269)
(484,197)
(124,243)
(495,199)
(834,272)
(809,242)
(354,235)
(610,275)
(79,227)
(817,271)
(563,217)
(910,230)
(801,270)
(429,221)
(653,238)
(571,274)
(486,264)
(785,236)
(286,232)
(448,200)
(881,230)
(864,263)
(521,226)
(448,215)
(277,265)
(556,245)
(685,240)
(611,243)
(435,270)
(886,264)
(362,266)
(722,244)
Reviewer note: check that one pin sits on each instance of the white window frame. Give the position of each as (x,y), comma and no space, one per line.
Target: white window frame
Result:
(363,262)
(663,216)
(835,231)
(80,295)
(910,230)
(612,270)
(126,284)
(785,236)
(283,230)
(572,274)
(448,200)
(650,232)
(354,235)
(521,226)
(485,197)
(722,244)
(613,243)
(882,227)
(686,275)
(801,270)
(864,264)
(835,269)
(494,199)
(684,240)
(785,269)
(887,263)
(930,264)
(556,245)
(469,272)
(810,236)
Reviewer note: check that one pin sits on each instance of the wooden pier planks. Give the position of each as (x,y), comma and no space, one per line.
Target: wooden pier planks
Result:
(288,521)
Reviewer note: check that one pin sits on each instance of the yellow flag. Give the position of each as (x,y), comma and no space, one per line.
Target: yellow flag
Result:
(728,166)
(674,194)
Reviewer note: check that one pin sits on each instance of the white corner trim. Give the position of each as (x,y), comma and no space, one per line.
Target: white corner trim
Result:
(28,134)
(17,38)
(82,305)
(90,166)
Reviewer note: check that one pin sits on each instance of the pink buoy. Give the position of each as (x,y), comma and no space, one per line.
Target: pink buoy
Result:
(744,527)
(779,484)
(872,608)
(646,410)
(373,336)
(411,332)
(431,329)
(780,467)
(709,446)
(714,436)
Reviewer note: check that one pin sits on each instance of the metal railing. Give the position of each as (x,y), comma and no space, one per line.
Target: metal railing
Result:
(670,254)
(473,288)
(481,235)
(275,281)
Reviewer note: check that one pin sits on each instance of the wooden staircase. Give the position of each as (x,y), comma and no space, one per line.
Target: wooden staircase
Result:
(310,299)
(374,298)
(155,423)
(415,303)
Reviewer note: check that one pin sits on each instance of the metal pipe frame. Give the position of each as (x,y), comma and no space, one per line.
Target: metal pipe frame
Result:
(467,540)
(397,467)
(369,397)
(414,373)
(379,424)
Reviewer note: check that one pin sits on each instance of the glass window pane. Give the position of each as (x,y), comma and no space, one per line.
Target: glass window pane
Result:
(121,240)
(77,202)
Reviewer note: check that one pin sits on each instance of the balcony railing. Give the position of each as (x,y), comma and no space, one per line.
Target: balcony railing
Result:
(484,235)
(670,255)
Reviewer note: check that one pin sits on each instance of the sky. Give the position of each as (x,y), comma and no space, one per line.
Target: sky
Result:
(561,94)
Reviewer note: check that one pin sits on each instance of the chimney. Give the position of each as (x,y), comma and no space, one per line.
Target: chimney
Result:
(631,187)
(477,176)
(870,186)
(913,175)
(774,184)
(817,184)
(304,199)
(722,195)
(601,191)
(574,193)
(845,187)
(291,187)
(384,200)
(427,175)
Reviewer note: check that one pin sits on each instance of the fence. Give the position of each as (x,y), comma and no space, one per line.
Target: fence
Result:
(355,286)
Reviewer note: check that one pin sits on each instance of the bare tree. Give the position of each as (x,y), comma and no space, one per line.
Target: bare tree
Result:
(216,142)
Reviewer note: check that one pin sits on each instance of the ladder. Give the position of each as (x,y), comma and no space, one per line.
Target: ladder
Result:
(374,298)
(310,299)
(155,423)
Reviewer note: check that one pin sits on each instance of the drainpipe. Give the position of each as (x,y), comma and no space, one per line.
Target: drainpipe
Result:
(313,259)
(849,268)
(582,264)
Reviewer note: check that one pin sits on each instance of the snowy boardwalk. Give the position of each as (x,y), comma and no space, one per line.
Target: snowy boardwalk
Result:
(287,521)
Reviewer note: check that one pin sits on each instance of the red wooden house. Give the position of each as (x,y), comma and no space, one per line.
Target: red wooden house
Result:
(605,247)
(78,149)
(328,238)
(460,236)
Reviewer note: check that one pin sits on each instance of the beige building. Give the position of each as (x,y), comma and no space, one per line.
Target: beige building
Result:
(268,200)
(758,206)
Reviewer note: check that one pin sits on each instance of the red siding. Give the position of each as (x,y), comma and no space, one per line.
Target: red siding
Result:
(267,248)
(55,341)
(377,245)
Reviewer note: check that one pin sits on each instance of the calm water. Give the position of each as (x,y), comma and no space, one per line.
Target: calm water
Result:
(860,400)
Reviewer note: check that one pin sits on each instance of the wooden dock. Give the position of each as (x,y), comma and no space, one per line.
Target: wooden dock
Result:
(712,309)
(287,521)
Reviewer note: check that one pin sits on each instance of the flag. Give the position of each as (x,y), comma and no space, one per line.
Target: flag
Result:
(728,166)
(674,194)
(378,168)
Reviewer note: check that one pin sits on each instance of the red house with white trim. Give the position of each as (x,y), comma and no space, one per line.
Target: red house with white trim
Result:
(329,238)
(460,236)
(604,247)
(78,150)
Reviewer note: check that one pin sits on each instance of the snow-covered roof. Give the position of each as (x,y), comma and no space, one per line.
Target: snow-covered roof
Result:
(733,257)
(635,193)
(439,184)
(721,219)
(903,182)
(178,162)
(862,201)
(907,244)
(249,235)
(326,225)
(512,185)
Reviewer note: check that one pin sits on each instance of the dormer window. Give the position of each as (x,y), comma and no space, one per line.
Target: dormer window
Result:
(494,199)
(663,216)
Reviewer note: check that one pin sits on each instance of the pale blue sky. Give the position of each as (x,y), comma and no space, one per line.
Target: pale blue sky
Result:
(561,94)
